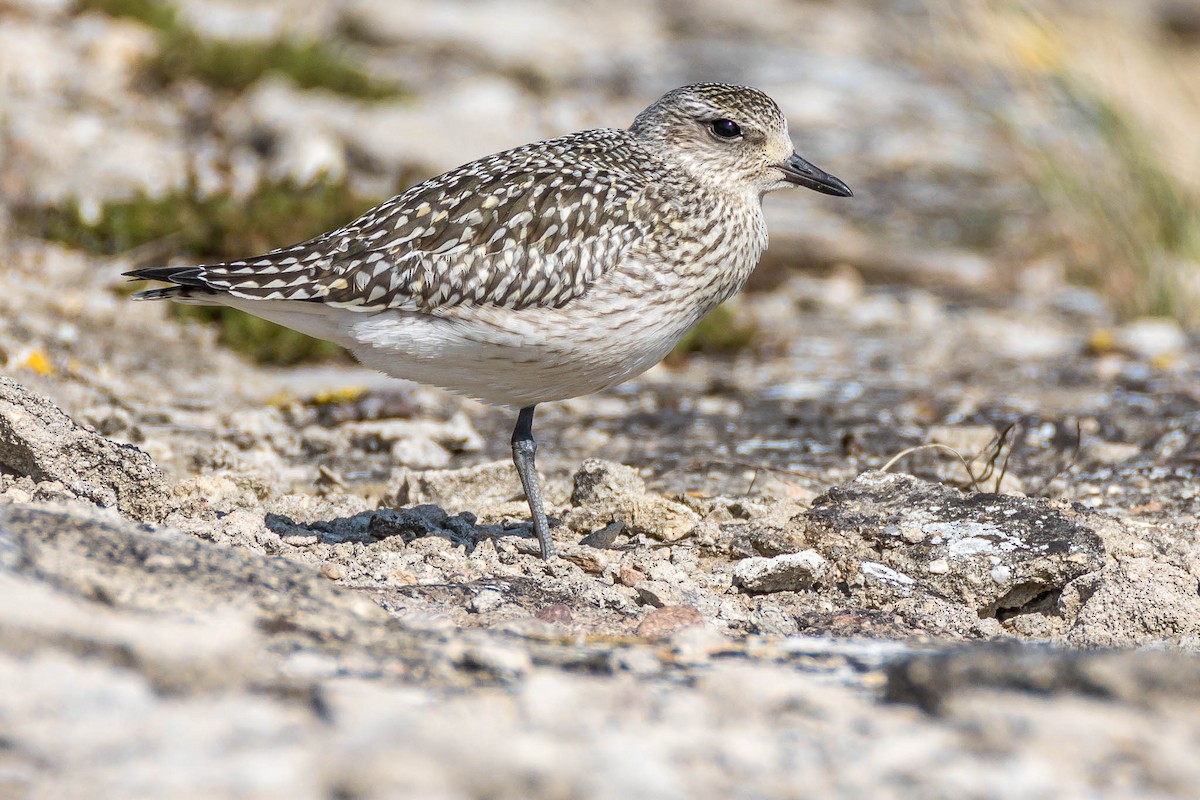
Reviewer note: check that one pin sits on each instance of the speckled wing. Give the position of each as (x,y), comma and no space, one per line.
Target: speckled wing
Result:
(534,226)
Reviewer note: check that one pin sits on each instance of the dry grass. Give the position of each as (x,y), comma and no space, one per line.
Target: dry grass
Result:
(1104,107)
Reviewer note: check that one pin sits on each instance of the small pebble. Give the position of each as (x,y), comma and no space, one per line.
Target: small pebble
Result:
(628,576)
(556,613)
(335,572)
(587,559)
(485,600)
(662,622)
(656,593)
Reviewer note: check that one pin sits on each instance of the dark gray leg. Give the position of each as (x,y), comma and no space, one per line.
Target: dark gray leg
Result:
(524,448)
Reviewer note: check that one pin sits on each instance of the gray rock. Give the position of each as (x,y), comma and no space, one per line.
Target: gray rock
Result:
(458,490)
(895,535)
(1147,680)
(790,572)
(420,522)
(102,557)
(485,600)
(605,483)
(1134,601)
(40,441)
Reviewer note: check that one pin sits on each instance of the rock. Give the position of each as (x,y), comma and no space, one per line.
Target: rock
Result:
(664,621)
(485,600)
(628,576)
(421,522)
(743,539)
(105,556)
(657,593)
(555,613)
(588,559)
(1134,602)
(335,572)
(606,493)
(207,651)
(660,518)
(790,572)
(895,535)
(606,483)
(1147,680)
(771,540)
(503,659)
(39,440)
(419,444)
(456,490)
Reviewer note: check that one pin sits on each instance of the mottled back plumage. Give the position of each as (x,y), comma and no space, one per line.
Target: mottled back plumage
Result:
(533,226)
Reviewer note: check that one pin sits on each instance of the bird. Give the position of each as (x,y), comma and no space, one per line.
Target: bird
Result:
(549,271)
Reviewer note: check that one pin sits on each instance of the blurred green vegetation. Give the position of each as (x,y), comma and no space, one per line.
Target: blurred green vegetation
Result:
(265,342)
(235,65)
(219,226)
(719,333)
(214,228)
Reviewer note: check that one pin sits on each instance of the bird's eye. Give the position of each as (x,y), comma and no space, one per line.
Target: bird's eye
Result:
(725,128)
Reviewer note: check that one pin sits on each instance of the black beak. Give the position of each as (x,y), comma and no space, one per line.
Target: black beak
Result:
(798,171)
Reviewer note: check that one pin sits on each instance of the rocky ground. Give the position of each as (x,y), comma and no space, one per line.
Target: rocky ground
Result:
(932,532)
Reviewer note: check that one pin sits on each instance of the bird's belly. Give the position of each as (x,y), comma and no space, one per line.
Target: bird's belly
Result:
(521,357)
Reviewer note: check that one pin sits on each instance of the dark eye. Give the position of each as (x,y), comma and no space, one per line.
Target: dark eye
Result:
(725,128)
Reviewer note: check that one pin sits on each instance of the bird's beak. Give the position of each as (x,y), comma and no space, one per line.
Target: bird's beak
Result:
(798,171)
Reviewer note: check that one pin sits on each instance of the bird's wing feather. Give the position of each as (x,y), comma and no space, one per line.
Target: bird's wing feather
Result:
(521,228)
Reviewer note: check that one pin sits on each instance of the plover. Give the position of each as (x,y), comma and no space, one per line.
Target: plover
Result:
(545,272)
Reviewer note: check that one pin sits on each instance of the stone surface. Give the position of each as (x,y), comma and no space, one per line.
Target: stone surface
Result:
(605,483)
(933,681)
(460,490)
(39,441)
(1136,601)
(663,622)
(998,554)
(791,572)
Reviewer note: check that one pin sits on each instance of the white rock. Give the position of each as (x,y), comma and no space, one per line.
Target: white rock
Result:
(783,573)
(485,600)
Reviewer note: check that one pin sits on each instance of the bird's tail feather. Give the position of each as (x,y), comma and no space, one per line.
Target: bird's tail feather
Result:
(180,294)
(286,274)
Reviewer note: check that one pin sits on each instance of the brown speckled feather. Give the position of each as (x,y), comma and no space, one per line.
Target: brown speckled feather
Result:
(533,226)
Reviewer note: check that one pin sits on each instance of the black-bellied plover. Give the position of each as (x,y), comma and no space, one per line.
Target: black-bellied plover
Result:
(550,271)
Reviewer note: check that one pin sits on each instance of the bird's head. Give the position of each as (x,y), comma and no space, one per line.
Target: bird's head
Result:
(734,136)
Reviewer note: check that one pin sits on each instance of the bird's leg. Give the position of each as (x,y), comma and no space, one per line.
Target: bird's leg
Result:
(524,448)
